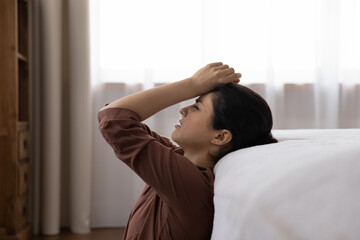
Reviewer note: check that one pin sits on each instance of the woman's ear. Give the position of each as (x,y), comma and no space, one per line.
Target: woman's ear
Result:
(221,137)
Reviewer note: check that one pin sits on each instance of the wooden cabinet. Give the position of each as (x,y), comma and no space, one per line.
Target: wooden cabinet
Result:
(14,120)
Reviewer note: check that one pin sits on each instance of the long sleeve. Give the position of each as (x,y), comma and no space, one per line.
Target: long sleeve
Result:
(156,160)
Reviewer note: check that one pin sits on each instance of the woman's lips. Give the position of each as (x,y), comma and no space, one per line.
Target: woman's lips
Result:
(179,125)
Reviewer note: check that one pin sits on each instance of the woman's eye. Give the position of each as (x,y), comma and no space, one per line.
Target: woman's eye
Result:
(196,107)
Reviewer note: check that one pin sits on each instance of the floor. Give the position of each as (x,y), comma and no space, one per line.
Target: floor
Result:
(96,234)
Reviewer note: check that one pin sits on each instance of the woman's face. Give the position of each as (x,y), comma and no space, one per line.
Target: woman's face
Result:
(195,129)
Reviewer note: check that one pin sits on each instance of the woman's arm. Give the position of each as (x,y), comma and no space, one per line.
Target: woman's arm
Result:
(149,102)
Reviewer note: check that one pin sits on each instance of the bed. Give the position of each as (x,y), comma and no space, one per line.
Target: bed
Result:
(307,186)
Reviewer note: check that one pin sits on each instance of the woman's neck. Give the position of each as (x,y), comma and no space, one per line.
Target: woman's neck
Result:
(200,158)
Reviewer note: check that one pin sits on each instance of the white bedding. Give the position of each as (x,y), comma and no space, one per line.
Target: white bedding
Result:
(307,186)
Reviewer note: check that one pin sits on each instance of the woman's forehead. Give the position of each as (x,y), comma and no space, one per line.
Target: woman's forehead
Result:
(205,99)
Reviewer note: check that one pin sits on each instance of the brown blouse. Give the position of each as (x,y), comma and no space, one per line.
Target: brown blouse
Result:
(177,201)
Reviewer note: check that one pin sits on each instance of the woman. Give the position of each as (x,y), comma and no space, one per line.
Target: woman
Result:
(177,202)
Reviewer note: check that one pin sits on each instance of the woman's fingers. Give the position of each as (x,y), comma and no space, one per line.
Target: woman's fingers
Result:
(228,71)
(215,64)
(222,67)
(234,77)
(227,74)
(236,81)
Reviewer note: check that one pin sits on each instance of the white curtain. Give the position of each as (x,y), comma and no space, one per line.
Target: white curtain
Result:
(61,116)
(303,57)
(272,42)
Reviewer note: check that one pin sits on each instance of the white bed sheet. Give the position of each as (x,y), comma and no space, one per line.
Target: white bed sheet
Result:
(307,186)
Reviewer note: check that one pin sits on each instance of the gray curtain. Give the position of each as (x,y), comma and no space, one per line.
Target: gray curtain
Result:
(61,119)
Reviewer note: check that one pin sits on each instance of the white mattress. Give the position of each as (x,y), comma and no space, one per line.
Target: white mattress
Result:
(307,186)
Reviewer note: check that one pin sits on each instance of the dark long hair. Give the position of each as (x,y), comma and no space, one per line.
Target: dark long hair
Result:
(245,114)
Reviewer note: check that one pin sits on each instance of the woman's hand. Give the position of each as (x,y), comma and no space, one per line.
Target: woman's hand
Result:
(214,75)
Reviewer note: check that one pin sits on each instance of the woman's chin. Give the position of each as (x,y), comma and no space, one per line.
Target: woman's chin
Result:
(174,137)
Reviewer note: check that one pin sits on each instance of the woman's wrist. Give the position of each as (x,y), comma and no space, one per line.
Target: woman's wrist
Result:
(193,87)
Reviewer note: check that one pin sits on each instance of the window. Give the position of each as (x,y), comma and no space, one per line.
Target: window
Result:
(281,41)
